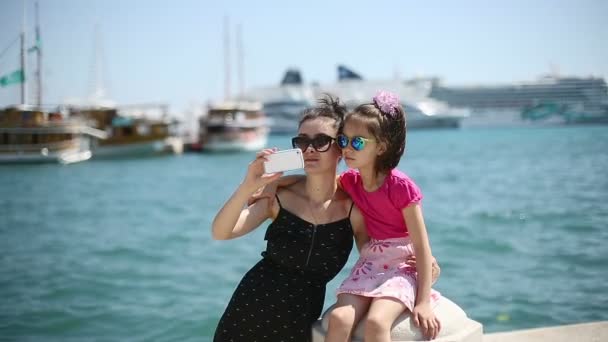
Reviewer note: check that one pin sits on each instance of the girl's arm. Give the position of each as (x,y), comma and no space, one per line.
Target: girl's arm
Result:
(232,220)
(422,249)
(359,229)
(422,313)
(270,189)
(436,270)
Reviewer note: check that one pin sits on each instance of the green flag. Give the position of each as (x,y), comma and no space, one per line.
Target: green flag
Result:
(12,78)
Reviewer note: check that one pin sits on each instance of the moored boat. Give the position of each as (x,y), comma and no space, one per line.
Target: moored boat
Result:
(234,126)
(30,134)
(129,135)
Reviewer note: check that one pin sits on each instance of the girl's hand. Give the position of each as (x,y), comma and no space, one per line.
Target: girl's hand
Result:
(435,269)
(425,319)
(267,191)
(270,189)
(256,178)
(259,194)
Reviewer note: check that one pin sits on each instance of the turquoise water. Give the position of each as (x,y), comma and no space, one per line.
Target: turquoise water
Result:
(121,249)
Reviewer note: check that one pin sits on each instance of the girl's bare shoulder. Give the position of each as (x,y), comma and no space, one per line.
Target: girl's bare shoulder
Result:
(342,198)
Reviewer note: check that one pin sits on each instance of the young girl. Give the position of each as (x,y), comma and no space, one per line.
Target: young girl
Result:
(382,283)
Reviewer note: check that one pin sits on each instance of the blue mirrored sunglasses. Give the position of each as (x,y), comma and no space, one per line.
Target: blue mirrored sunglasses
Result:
(357,143)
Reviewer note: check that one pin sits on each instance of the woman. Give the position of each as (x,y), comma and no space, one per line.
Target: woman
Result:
(309,240)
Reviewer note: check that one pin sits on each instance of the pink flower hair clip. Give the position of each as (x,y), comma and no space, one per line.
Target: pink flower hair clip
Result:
(387,102)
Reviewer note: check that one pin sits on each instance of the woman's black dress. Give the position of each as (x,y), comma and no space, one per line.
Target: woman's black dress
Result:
(283,294)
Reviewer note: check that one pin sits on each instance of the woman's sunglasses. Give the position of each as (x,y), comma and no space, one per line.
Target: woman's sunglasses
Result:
(358,143)
(320,142)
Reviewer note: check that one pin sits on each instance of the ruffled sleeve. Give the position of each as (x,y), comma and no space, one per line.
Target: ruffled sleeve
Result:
(403,191)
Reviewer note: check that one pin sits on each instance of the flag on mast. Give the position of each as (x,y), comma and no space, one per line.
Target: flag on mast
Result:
(12,78)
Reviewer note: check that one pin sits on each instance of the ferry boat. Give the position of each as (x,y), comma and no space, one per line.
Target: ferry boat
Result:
(29,134)
(234,126)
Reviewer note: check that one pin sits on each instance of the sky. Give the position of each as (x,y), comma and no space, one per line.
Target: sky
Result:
(172,51)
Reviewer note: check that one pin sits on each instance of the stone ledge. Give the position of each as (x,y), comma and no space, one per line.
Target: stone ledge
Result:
(456,326)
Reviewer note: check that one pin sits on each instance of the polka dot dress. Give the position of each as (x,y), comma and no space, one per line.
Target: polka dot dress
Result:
(283,294)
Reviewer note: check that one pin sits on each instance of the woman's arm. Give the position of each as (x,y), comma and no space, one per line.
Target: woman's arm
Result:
(359,229)
(232,220)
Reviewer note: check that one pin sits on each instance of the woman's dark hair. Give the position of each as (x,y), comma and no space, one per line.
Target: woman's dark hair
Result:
(386,128)
(328,107)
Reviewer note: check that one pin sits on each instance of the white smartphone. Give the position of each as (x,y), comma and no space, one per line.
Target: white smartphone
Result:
(284,160)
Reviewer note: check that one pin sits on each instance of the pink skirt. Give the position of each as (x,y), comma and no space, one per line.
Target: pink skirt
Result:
(381,271)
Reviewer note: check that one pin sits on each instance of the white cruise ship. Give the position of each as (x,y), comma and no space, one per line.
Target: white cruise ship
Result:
(283,104)
(550,100)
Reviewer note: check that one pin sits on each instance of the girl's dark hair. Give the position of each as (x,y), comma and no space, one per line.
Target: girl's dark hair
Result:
(386,128)
(328,107)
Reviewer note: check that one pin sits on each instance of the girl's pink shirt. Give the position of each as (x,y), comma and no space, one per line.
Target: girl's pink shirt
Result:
(382,208)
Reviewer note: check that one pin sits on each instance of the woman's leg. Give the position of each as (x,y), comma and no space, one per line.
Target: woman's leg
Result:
(382,314)
(345,315)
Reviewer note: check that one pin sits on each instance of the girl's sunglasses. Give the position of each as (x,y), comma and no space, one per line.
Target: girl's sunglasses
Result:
(358,143)
(320,142)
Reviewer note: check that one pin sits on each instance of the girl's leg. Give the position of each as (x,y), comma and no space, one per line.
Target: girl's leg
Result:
(345,315)
(382,314)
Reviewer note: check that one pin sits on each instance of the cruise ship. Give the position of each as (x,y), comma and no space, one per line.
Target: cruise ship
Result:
(549,100)
(284,103)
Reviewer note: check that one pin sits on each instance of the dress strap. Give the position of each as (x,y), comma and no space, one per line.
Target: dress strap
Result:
(352,204)
(278,200)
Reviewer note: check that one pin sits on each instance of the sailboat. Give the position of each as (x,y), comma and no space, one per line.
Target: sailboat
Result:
(237,124)
(30,133)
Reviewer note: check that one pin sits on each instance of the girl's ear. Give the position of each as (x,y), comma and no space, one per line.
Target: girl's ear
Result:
(381,148)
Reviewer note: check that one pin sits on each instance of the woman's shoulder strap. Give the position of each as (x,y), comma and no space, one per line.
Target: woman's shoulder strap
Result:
(352,204)
(278,200)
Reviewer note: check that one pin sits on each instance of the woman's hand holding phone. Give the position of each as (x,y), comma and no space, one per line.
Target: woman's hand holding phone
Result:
(256,178)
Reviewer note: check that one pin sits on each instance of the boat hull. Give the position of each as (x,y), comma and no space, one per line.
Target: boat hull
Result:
(219,145)
(75,150)
(146,148)
(435,122)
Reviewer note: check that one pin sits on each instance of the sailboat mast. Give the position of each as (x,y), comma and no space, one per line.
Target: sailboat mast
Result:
(97,82)
(23,60)
(39,61)
(240,59)
(226,58)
